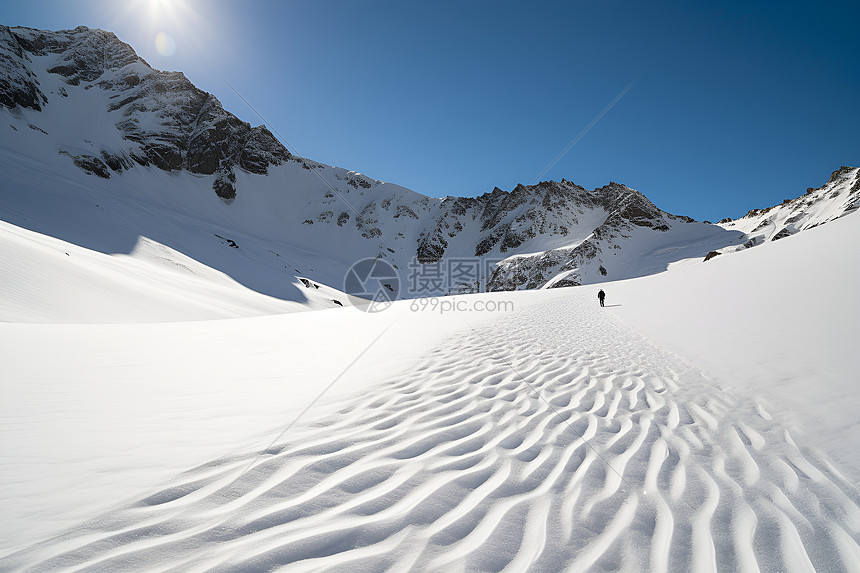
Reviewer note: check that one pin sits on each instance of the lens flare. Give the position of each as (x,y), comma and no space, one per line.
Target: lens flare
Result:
(165,45)
(172,27)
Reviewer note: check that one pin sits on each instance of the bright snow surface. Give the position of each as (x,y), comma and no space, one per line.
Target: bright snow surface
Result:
(707,419)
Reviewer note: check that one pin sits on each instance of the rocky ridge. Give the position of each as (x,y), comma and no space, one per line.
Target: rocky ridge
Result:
(551,234)
(838,197)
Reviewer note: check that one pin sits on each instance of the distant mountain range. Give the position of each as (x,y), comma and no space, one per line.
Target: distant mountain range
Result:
(87,122)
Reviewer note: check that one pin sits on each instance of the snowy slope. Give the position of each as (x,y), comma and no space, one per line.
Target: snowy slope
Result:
(839,197)
(43,279)
(779,322)
(706,423)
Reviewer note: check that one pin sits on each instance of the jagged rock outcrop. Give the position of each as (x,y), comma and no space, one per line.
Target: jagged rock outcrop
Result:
(18,85)
(172,124)
(557,210)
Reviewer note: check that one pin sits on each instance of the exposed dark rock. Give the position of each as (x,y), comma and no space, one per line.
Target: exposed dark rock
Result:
(782,234)
(461,205)
(367,220)
(711,255)
(754,241)
(359,181)
(225,186)
(764,224)
(564,283)
(512,240)
(89,164)
(260,150)
(840,173)
(628,206)
(17,83)
(405,210)
(431,247)
(486,244)
(116,162)
(229,242)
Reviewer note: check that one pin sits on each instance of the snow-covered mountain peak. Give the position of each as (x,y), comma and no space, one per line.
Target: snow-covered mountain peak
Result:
(80,55)
(610,233)
(162,119)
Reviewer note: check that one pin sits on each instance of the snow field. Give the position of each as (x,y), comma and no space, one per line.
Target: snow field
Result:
(94,414)
(553,438)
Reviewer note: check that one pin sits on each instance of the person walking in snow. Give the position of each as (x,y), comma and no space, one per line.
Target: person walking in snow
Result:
(601,295)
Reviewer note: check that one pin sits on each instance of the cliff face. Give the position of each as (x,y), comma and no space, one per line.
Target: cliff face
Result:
(166,120)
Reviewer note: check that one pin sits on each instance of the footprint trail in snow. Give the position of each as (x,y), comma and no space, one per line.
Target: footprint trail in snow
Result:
(554,438)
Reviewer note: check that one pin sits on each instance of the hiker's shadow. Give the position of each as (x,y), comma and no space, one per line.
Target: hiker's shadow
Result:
(611,305)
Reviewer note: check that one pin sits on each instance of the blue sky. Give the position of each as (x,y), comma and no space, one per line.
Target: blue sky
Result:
(732,106)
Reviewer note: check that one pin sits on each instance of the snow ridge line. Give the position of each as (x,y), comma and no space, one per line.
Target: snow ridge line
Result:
(538,394)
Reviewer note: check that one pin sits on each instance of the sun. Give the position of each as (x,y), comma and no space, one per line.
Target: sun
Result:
(170,27)
(164,15)
(168,22)
(157,8)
